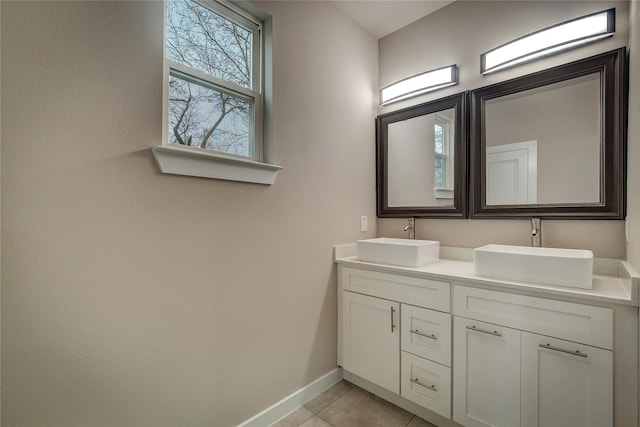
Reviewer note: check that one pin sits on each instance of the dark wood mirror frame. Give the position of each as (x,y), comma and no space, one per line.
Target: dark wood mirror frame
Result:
(459,207)
(613,83)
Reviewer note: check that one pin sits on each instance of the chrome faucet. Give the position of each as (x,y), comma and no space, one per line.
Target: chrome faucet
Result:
(411,228)
(536,232)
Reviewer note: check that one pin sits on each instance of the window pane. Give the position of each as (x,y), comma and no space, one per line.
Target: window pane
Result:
(440,174)
(203,39)
(438,135)
(200,116)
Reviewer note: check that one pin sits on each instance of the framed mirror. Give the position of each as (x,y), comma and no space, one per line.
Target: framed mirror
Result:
(552,144)
(421,160)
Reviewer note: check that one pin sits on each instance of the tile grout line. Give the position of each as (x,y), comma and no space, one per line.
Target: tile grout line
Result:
(330,403)
(412,418)
(317,413)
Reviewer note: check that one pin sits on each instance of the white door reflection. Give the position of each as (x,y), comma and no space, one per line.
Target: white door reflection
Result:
(512,173)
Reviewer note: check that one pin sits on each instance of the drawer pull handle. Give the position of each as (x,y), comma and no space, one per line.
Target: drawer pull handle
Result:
(432,336)
(430,387)
(574,352)
(484,331)
(393,310)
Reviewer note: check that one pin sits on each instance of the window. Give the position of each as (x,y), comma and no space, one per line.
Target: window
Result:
(214,78)
(443,155)
(214,86)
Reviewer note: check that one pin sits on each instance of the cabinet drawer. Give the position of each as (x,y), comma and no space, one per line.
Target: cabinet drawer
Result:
(411,290)
(426,333)
(574,322)
(426,383)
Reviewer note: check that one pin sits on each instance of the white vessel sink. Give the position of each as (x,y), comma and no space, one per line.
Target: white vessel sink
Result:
(563,267)
(404,252)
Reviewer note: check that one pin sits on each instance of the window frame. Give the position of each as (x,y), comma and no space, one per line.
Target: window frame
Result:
(196,161)
(254,93)
(447,155)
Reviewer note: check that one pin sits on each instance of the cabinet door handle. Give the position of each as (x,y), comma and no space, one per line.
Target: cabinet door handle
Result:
(484,331)
(574,352)
(393,310)
(432,336)
(430,387)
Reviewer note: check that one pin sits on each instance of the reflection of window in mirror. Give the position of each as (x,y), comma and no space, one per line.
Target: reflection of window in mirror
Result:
(443,155)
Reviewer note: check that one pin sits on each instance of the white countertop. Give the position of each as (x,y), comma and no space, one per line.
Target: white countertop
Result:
(607,288)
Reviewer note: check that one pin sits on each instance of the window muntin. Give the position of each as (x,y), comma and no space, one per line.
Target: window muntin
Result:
(213,63)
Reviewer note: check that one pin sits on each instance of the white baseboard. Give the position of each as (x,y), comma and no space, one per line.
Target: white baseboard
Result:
(291,402)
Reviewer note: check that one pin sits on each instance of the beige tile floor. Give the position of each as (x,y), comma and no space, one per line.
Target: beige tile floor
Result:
(346,405)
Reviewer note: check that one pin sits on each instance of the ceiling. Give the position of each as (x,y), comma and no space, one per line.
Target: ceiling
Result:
(382,17)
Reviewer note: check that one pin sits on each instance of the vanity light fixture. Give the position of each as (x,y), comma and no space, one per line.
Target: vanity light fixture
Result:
(419,84)
(551,40)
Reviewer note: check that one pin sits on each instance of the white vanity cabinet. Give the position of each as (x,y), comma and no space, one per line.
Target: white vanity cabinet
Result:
(528,361)
(395,332)
(459,349)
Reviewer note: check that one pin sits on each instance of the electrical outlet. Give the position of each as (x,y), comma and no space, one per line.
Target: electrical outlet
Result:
(364,223)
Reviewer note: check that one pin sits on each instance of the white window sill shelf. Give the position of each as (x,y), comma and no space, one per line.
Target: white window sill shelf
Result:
(196,162)
(443,193)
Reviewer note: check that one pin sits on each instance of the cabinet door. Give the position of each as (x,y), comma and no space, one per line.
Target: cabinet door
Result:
(371,339)
(486,374)
(565,384)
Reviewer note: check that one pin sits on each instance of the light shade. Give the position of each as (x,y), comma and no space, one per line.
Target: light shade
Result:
(551,40)
(419,84)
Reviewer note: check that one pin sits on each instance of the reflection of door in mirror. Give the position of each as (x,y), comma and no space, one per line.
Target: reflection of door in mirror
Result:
(420,160)
(512,173)
(564,118)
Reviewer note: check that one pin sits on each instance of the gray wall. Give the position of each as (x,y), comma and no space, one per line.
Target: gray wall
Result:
(633,171)
(139,299)
(458,34)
